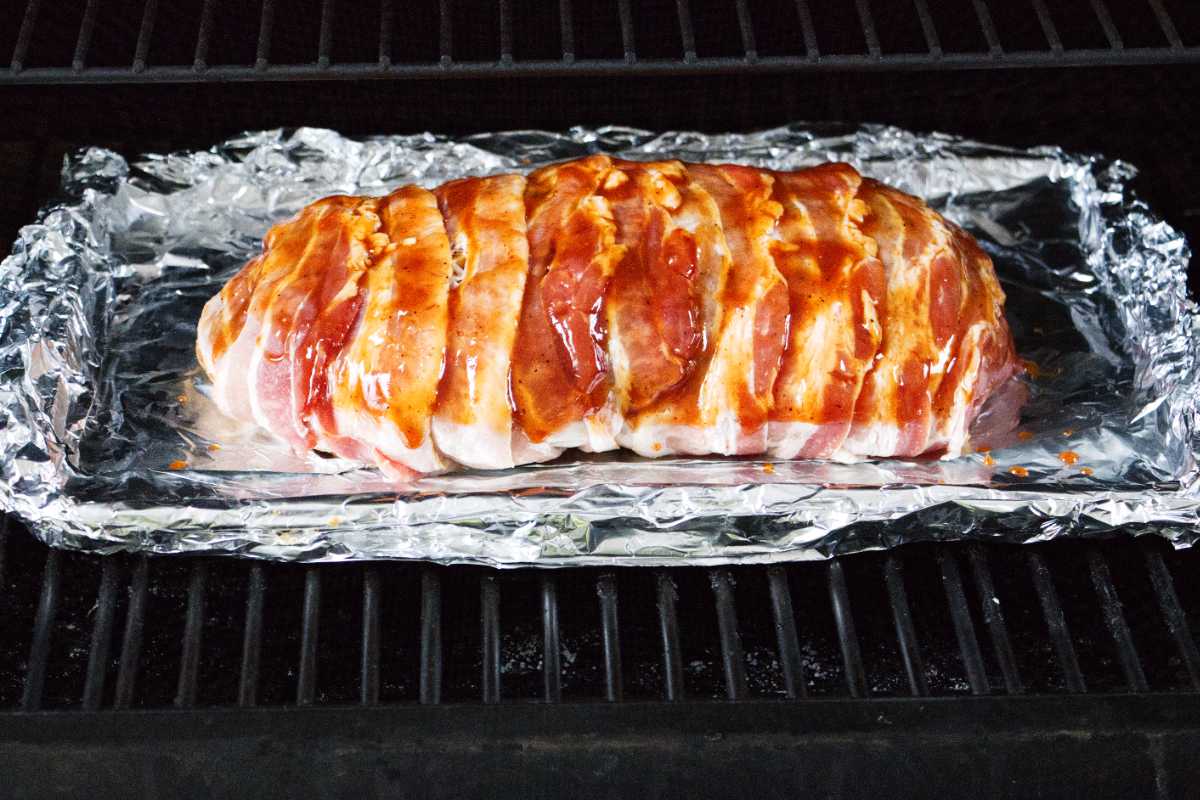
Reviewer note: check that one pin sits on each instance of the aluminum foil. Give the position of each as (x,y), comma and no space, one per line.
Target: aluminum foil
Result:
(108,440)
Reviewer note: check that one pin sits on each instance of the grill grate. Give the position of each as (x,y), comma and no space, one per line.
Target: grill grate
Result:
(911,622)
(628,38)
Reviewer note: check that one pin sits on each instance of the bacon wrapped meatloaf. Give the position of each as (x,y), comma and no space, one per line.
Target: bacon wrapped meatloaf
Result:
(663,307)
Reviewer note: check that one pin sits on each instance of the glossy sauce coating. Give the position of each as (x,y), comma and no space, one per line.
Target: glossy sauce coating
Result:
(748,349)
(944,344)
(836,285)
(660,306)
(485,222)
(385,381)
(652,303)
(560,368)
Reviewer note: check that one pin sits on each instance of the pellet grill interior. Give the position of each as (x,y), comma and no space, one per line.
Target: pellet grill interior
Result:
(982,669)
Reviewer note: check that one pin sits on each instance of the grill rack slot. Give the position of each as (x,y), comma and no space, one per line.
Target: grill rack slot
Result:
(993,617)
(106,601)
(1114,619)
(552,645)
(131,642)
(856,678)
(785,632)
(1056,623)
(964,628)
(669,629)
(252,639)
(606,590)
(193,637)
(732,661)
(625,18)
(431,637)
(43,624)
(1177,624)
(906,635)
(650,649)
(306,683)
(369,668)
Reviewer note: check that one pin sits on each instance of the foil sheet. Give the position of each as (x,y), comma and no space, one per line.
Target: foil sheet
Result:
(109,442)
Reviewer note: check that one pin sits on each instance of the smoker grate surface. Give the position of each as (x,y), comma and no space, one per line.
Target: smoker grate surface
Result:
(1064,669)
(85,632)
(103,41)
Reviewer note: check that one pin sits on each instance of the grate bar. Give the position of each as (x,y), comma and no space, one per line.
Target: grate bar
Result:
(252,637)
(43,626)
(262,56)
(193,633)
(431,637)
(1106,22)
(811,51)
(746,24)
(732,659)
(25,34)
(310,630)
(687,35)
(369,668)
(84,40)
(910,650)
(4,523)
(984,14)
(1130,56)
(606,588)
(489,602)
(668,626)
(445,33)
(551,644)
(325,37)
(1056,623)
(785,632)
(993,617)
(1114,618)
(1167,24)
(142,49)
(102,626)
(628,47)
(566,29)
(200,58)
(385,33)
(964,628)
(928,29)
(856,678)
(868,27)
(1048,28)
(506,34)
(131,640)
(1173,614)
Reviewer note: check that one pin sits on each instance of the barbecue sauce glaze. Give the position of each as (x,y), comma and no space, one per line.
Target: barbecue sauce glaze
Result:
(660,306)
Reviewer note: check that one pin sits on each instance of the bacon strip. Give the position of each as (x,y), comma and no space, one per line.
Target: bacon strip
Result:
(560,369)
(748,348)
(835,285)
(383,386)
(679,313)
(945,343)
(485,220)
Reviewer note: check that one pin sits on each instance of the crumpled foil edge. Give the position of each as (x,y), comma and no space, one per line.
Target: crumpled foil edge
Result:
(61,280)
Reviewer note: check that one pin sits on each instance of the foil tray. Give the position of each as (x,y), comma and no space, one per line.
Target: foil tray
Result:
(109,442)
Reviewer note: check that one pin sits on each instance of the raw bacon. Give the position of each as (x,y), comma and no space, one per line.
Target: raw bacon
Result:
(663,307)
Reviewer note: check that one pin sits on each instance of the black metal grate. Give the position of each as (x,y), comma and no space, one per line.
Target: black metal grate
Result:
(84,632)
(102,41)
